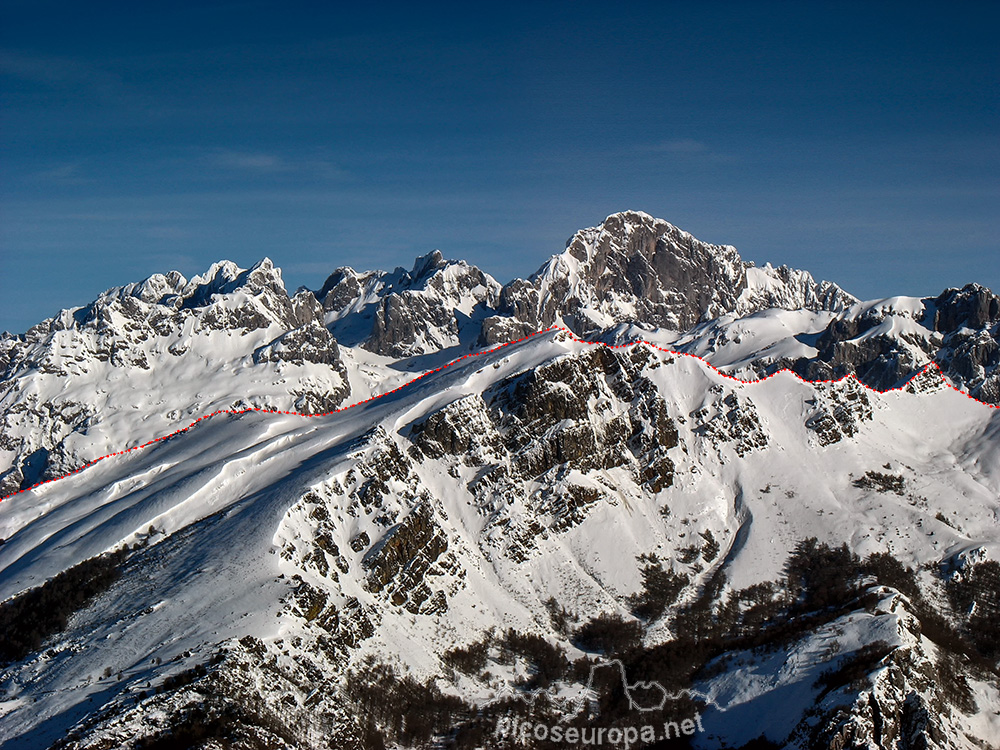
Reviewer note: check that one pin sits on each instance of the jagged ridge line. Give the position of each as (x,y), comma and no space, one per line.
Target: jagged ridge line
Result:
(637,342)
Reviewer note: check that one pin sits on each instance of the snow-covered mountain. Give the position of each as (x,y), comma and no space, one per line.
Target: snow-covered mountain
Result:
(811,565)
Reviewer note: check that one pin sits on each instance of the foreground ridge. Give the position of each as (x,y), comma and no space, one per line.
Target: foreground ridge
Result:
(928,367)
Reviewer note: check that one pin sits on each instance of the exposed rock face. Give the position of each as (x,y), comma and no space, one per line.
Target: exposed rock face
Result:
(556,416)
(433,310)
(972,306)
(969,318)
(578,415)
(731,420)
(637,268)
(840,412)
(405,558)
(886,343)
(402,556)
(880,361)
(310,343)
(789,289)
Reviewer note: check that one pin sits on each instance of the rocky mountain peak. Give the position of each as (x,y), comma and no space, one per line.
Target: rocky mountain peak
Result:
(630,232)
(226,277)
(427,264)
(340,288)
(635,257)
(636,268)
(156,289)
(219,276)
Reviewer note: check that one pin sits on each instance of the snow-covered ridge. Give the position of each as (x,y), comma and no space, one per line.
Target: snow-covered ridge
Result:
(930,378)
(132,363)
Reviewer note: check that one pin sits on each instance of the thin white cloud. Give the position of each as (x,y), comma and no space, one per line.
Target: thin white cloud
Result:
(689,148)
(59,72)
(680,146)
(266,163)
(250,161)
(68,173)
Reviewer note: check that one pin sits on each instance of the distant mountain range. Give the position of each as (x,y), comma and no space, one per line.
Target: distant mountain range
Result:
(243,339)
(800,565)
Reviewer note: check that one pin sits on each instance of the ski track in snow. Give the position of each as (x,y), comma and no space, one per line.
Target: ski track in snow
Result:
(560,329)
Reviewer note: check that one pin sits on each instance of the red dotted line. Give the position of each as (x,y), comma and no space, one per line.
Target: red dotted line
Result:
(566,331)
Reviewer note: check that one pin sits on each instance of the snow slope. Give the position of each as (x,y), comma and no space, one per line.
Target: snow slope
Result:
(227,501)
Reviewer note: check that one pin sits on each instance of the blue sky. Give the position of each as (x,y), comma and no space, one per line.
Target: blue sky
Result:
(858,141)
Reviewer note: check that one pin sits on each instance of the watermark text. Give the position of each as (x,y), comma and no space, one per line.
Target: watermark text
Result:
(626,736)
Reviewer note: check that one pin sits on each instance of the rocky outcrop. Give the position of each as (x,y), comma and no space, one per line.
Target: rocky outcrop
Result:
(310,343)
(730,420)
(972,306)
(578,415)
(558,415)
(840,410)
(400,561)
(969,319)
(886,343)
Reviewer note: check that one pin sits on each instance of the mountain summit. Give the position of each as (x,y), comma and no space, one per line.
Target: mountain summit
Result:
(635,268)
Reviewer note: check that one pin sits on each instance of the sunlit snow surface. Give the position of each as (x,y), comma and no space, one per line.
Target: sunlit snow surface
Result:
(218,497)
